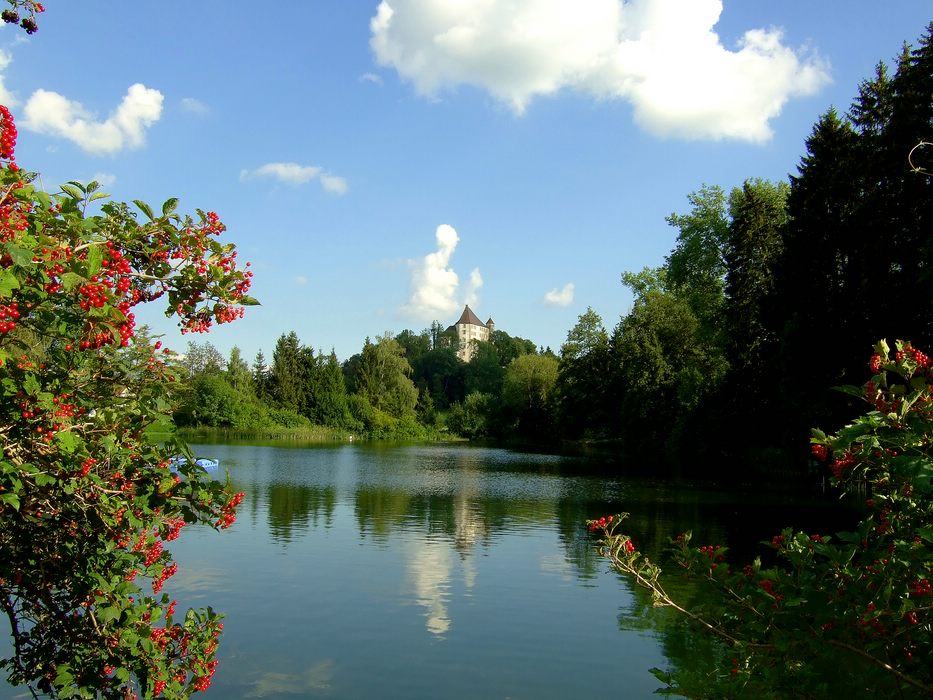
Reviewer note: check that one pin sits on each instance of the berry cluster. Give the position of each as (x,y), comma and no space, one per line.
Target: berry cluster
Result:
(228,512)
(8,137)
(166,574)
(820,452)
(8,317)
(600,524)
(11,16)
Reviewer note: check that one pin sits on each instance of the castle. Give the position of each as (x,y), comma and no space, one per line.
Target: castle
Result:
(469,330)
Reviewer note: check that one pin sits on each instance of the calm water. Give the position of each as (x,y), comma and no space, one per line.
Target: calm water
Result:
(438,572)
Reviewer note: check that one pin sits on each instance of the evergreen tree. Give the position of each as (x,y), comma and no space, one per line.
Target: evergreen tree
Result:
(260,376)
(758,214)
(238,373)
(286,376)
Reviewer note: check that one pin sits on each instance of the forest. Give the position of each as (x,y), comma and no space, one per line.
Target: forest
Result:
(771,296)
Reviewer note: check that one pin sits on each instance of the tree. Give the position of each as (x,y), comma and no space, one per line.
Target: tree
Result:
(483,373)
(325,391)
(756,240)
(528,393)
(202,358)
(238,373)
(509,347)
(286,376)
(86,497)
(383,378)
(583,378)
(260,375)
(696,268)
(857,253)
(663,366)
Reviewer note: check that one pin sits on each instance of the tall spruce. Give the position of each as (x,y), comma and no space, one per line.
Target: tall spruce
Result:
(857,260)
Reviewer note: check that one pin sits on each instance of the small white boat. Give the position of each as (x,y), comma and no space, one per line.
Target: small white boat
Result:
(208,465)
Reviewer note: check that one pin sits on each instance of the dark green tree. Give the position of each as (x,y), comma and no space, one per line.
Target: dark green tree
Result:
(758,218)
(583,379)
(286,378)
(483,373)
(260,376)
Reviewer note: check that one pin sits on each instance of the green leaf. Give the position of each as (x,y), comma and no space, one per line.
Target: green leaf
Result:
(70,280)
(63,676)
(10,499)
(170,205)
(95,256)
(108,613)
(45,479)
(850,390)
(8,282)
(144,208)
(66,441)
(73,190)
(31,385)
(98,195)
(248,301)
(21,256)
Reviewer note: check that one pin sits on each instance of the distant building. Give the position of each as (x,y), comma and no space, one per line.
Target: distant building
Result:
(470,330)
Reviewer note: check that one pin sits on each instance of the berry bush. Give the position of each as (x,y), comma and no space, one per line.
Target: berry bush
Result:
(848,614)
(87,498)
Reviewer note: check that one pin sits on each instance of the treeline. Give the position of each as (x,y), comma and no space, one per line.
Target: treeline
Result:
(401,386)
(770,297)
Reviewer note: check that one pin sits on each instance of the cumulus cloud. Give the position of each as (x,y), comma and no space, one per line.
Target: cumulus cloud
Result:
(295,174)
(6,97)
(476,281)
(371,78)
(560,297)
(49,113)
(662,56)
(193,105)
(434,283)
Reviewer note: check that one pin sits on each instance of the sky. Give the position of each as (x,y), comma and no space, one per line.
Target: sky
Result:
(381,164)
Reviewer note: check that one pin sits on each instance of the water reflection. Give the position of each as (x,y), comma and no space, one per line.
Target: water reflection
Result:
(314,681)
(296,506)
(388,571)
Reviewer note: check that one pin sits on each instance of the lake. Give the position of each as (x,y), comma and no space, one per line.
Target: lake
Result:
(441,571)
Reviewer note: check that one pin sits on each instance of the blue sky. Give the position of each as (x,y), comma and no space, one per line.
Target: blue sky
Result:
(381,164)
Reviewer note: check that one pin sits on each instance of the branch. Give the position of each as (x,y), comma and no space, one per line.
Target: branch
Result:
(882,664)
(663,598)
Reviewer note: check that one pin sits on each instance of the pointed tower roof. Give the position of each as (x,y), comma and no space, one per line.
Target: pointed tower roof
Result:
(469,317)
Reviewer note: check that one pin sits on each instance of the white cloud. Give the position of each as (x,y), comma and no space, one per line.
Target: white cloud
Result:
(663,56)
(333,183)
(476,281)
(6,97)
(560,297)
(290,173)
(301,279)
(434,283)
(371,78)
(193,105)
(295,174)
(50,113)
